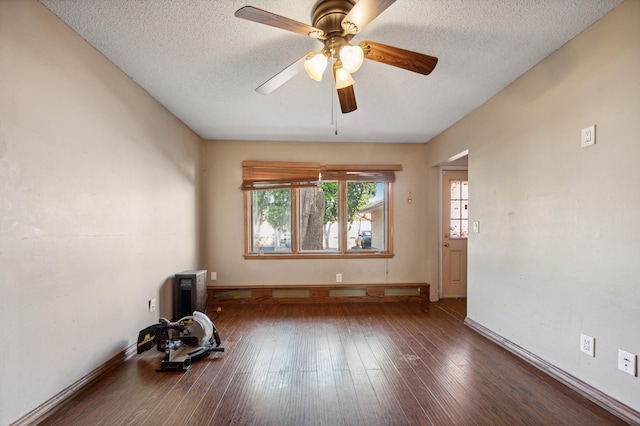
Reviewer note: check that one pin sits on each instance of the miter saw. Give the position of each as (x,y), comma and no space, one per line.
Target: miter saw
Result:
(184,341)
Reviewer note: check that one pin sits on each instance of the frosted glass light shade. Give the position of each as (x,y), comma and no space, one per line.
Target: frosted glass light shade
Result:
(343,78)
(351,58)
(315,65)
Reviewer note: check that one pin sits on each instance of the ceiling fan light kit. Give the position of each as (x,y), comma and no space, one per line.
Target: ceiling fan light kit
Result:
(343,78)
(351,57)
(335,23)
(315,64)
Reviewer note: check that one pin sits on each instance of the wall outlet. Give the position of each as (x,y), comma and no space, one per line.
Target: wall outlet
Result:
(152,305)
(214,276)
(627,362)
(338,278)
(588,136)
(587,345)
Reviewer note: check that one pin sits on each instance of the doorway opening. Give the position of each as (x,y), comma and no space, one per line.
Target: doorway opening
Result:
(454,227)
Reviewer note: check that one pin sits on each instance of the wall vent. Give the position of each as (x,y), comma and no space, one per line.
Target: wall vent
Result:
(399,291)
(233,294)
(347,292)
(290,293)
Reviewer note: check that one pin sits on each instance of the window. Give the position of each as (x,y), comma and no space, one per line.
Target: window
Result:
(305,210)
(459,216)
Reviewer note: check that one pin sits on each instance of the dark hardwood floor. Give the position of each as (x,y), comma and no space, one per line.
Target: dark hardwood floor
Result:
(337,364)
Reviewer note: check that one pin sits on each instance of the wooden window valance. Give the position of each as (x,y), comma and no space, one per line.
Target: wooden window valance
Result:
(276,175)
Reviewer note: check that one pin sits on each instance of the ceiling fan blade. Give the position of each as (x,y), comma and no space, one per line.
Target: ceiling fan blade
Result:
(282,77)
(394,56)
(362,13)
(260,16)
(347,99)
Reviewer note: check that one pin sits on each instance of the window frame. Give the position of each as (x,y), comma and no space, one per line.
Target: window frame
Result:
(281,175)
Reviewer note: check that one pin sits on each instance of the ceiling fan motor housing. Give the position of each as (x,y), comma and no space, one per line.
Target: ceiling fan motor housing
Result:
(328,16)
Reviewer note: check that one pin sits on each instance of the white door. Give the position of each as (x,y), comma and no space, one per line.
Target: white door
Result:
(455,229)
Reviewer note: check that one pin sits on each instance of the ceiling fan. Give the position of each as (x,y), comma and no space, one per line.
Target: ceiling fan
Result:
(335,23)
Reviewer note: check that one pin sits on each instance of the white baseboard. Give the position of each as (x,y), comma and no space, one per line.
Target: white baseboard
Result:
(56,402)
(615,407)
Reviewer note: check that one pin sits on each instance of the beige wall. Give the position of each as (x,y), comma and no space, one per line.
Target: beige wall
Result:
(98,207)
(224,226)
(559,245)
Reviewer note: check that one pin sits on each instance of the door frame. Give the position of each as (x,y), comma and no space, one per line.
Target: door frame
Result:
(442,169)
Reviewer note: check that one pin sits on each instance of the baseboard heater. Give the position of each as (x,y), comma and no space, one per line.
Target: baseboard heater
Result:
(346,293)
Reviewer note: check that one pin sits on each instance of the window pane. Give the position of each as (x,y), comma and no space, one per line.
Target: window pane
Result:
(464,229)
(465,190)
(271,220)
(455,189)
(454,228)
(319,207)
(366,216)
(455,209)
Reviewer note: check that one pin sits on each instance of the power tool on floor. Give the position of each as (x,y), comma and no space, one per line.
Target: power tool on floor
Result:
(184,341)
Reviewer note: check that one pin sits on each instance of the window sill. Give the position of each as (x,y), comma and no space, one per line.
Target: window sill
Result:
(273,256)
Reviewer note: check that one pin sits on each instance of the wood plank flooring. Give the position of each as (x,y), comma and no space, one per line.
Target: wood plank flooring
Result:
(337,364)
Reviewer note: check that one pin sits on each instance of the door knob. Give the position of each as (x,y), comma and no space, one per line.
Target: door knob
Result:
(446,244)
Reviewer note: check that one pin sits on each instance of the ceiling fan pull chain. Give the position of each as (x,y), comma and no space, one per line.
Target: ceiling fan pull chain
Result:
(332,101)
(335,111)
(332,105)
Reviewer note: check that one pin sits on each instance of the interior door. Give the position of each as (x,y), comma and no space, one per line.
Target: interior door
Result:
(455,229)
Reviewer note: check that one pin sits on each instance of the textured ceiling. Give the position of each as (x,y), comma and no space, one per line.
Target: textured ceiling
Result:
(203,64)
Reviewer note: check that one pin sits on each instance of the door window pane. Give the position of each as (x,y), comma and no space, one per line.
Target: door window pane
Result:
(455,209)
(464,187)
